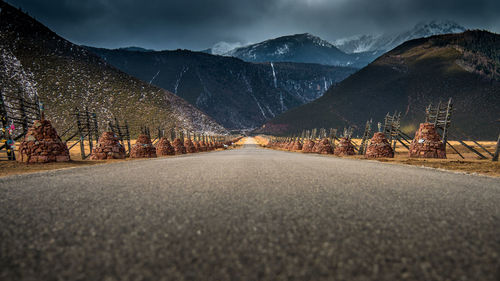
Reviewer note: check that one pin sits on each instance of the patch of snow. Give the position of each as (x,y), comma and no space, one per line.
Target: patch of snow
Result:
(281,102)
(223,48)
(151,81)
(274,76)
(17,76)
(282,50)
(260,107)
(184,69)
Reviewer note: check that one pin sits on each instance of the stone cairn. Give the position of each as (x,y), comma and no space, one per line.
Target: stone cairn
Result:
(297,145)
(344,147)
(164,148)
(42,144)
(308,146)
(179,147)
(316,146)
(427,143)
(108,147)
(197,145)
(143,148)
(379,147)
(190,147)
(323,147)
(203,146)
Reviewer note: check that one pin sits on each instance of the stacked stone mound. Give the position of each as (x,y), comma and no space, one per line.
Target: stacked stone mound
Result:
(179,147)
(164,148)
(379,147)
(297,146)
(210,146)
(308,146)
(108,147)
(42,144)
(197,145)
(324,147)
(189,145)
(217,145)
(316,146)
(203,146)
(345,147)
(143,148)
(427,143)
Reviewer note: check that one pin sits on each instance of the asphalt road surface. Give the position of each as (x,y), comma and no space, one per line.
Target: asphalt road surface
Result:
(249,214)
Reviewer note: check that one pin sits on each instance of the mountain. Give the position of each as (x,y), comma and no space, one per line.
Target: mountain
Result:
(463,66)
(387,42)
(304,48)
(237,94)
(136,49)
(35,60)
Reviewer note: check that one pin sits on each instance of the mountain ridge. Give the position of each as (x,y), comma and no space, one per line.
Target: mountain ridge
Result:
(65,75)
(407,79)
(238,94)
(387,42)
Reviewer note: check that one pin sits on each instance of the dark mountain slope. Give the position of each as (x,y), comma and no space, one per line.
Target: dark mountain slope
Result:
(33,59)
(463,66)
(237,94)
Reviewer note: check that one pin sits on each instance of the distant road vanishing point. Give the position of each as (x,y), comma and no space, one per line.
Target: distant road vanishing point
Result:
(249,214)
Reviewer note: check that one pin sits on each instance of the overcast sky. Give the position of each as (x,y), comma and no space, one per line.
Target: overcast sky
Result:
(199,24)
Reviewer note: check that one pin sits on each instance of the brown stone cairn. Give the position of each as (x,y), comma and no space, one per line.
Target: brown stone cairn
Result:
(143,148)
(42,144)
(197,145)
(316,146)
(344,147)
(179,147)
(427,143)
(379,147)
(108,147)
(297,145)
(164,148)
(324,147)
(203,146)
(308,146)
(213,145)
(209,145)
(189,145)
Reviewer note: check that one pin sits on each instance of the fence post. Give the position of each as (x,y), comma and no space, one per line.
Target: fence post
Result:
(127,132)
(120,136)
(497,150)
(96,128)
(82,137)
(24,118)
(5,122)
(89,130)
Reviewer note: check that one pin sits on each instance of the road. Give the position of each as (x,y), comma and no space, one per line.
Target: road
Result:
(249,214)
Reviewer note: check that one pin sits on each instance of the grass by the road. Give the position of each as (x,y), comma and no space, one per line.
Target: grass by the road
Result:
(471,163)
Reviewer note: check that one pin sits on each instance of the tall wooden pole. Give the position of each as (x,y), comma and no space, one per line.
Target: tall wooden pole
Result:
(497,150)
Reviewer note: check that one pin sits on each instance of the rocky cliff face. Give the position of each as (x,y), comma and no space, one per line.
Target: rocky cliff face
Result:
(237,94)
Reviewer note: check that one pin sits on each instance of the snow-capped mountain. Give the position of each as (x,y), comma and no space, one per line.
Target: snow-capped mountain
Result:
(305,48)
(386,42)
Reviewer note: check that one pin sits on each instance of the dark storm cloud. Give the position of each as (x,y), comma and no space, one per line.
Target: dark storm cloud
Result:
(198,24)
